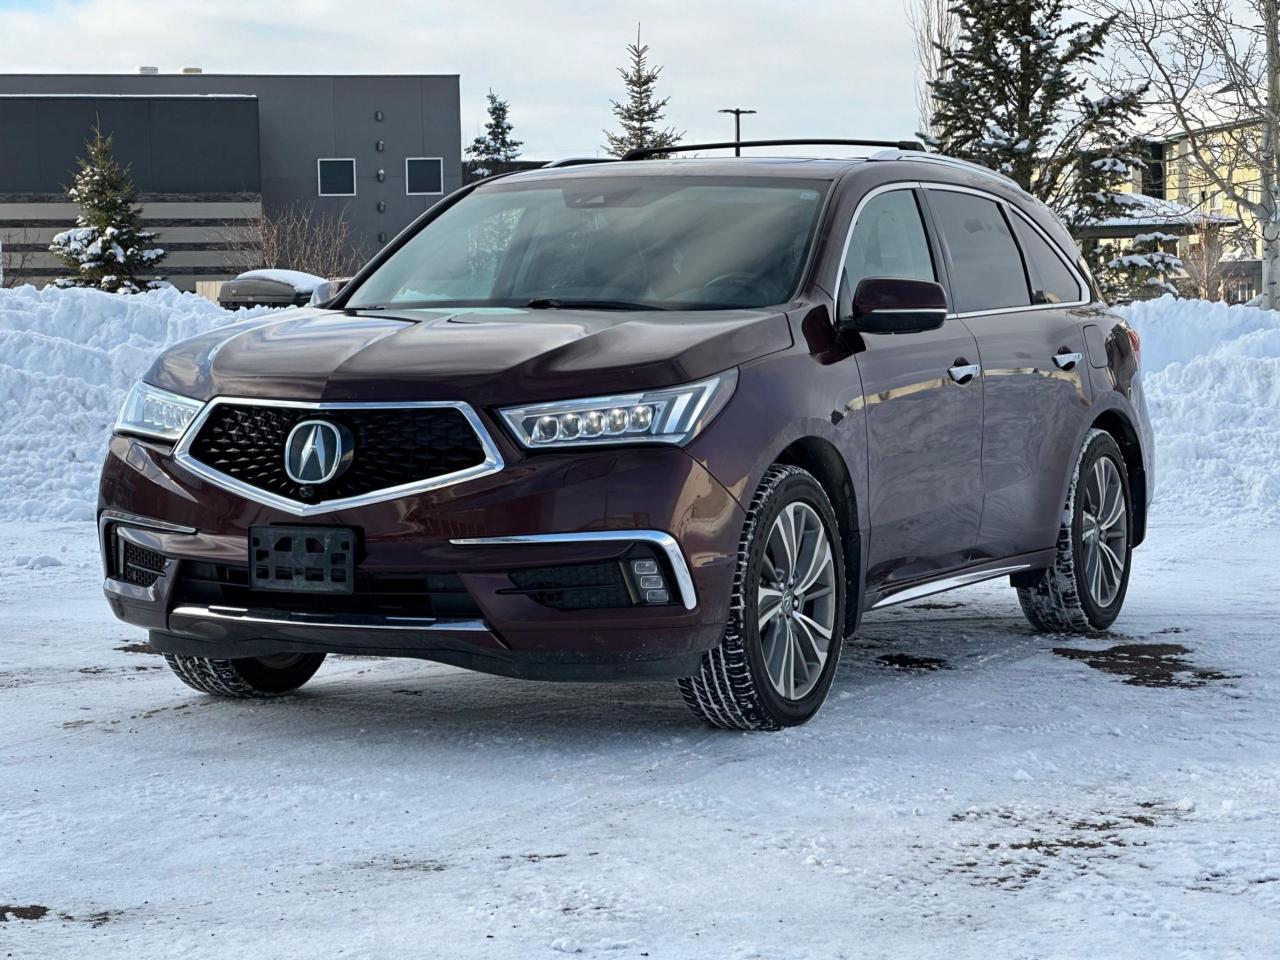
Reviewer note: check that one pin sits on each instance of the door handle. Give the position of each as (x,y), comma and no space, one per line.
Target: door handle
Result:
(1065,360)
(963,372)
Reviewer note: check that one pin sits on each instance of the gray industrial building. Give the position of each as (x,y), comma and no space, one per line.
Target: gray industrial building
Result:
(210,152)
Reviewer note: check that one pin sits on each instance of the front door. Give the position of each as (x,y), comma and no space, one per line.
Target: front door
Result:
(922,398)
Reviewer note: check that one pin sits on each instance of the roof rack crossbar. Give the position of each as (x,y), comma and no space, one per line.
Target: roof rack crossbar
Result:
(641,153)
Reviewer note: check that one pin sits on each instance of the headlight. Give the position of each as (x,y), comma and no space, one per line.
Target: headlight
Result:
(151,412)
(670,415)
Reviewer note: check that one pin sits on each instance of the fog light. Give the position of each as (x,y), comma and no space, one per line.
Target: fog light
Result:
(657,596)
(651,583)
(642,567)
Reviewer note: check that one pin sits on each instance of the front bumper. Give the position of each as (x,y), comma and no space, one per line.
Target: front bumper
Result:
(543,511)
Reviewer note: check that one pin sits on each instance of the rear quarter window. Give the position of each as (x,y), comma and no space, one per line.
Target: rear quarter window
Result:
(987,269)
(1052,281)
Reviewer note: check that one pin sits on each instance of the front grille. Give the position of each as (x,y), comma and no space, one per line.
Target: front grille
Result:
(582,586)
(440,595)
(392,447)
(137,565)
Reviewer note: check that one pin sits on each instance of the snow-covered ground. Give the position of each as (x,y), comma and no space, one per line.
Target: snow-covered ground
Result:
(971,789)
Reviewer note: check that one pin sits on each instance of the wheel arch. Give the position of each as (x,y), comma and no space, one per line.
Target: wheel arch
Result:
(823,460)
(1121,429)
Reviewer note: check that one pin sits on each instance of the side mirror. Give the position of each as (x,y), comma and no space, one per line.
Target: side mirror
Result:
(896,305)
(327,291)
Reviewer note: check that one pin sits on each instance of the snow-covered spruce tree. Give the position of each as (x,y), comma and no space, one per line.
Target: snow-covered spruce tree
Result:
(107,248)
(493,152)
(1142,272)
(1013,98)
(639,116)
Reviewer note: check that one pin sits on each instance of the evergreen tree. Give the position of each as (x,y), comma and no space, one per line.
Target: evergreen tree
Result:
(639,116)
(107,248)
(1013,98)
(493,153)
(1142,272)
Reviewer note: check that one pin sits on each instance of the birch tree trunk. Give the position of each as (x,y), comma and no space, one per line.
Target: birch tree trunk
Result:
(1270,150)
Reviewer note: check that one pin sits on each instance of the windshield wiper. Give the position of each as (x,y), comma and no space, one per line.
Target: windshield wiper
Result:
(555,303)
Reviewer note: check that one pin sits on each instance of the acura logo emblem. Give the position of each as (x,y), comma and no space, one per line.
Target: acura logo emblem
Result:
(317,451)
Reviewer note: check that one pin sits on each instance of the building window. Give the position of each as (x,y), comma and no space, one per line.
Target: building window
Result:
(423,175)
(336,177)
(1153,183)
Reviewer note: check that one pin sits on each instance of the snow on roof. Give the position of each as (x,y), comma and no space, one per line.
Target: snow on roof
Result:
(1148,211)
(302,282)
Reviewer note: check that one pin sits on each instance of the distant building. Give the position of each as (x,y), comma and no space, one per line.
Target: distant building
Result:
(210,152)
(1172,175)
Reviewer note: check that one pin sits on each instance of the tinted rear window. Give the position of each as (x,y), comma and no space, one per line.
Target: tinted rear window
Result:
(988,272)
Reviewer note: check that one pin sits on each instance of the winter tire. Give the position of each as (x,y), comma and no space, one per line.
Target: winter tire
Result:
(1085,588)
(779,652)
(251,677)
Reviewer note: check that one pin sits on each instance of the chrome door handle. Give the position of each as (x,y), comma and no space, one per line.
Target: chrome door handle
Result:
(962,373)
(1066,361)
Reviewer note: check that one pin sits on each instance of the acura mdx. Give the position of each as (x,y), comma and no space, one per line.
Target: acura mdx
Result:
(660,418)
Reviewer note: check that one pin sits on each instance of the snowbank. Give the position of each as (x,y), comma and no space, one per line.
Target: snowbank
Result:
(68,356)
(1213,389)
(66,359)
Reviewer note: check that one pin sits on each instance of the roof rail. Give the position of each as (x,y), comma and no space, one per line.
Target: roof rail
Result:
(967,165)
(641,153)
(578,161)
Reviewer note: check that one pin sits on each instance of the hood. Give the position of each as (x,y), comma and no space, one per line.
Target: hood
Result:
(484,357)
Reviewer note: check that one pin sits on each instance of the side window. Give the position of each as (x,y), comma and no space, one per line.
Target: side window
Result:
(889,241)
(988,272)
(1052,281)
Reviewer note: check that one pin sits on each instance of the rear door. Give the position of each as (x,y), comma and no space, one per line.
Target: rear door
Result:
(923,405)
(1016,292)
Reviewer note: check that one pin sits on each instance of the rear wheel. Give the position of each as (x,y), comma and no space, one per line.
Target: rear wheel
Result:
(1085,588)
(777,658)
(249,677)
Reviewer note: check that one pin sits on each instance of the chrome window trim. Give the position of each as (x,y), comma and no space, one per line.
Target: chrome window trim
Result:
(960,188)
(242,615)
(491,464)
(663,541)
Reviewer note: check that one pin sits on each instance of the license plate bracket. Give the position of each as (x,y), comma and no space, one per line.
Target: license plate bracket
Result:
(302,559)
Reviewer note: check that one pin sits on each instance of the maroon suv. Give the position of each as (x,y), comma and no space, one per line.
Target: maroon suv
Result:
(681,419)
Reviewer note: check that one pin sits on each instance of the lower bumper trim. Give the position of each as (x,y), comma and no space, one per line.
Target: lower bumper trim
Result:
(247,616)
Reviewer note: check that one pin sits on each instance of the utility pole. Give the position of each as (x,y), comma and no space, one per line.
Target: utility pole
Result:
(737,127)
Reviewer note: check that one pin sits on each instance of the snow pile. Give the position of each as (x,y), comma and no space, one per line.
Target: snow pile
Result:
(66,359)
(1212,376)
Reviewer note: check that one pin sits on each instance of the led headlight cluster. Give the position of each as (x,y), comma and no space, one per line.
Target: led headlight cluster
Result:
(151,412)
(669,415)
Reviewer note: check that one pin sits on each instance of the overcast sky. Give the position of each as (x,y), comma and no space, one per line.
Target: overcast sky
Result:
(821,68)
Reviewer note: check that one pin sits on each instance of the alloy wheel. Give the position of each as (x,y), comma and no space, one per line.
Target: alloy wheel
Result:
(796,600)
(1104,532)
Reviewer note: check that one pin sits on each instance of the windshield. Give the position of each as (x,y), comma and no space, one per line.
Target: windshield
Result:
(608,243)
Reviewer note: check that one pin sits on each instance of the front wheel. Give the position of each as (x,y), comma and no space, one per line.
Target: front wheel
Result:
(777,658)
(1085,588)
(250,677)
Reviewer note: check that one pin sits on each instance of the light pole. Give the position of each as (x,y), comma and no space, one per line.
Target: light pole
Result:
(737,127)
